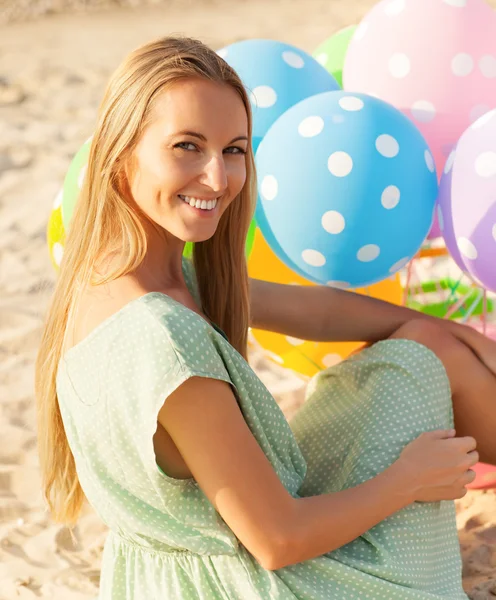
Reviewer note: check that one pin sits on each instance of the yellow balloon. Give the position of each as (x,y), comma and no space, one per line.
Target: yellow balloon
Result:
(56,233)
(304,357)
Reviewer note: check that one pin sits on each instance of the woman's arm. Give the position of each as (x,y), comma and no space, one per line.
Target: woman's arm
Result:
(326,314)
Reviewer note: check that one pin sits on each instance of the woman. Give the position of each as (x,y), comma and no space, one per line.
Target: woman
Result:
(148,408)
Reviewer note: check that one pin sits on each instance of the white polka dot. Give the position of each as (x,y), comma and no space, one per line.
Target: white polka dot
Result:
(263,96)
(57,252)
(487,66)
(360,31)
(462,65)
(293,60)
(390,197)
(269,187)
(467,248)
(223,52)
(423,111)
(351,103)
(329,360)
(341,285)
(311,126)
(82,175)
(485,164)
(313,258)
(368,253)
(273,356)
(481,121)
(333,222)
(478,111)
(456,3)
(387,145)
(58,199)
(340,164)
(440,218)
(429,161)
(322,58)
(494,232)
(395,7)
(294,341)
(399,265)
(449,163)
(399,65)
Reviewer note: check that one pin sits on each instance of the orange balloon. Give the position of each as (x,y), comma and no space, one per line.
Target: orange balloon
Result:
(305,358)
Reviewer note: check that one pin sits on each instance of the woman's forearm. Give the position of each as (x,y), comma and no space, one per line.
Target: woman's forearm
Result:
(322,523)
(321,313)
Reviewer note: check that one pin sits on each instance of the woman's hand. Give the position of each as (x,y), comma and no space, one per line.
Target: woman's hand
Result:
(436,466)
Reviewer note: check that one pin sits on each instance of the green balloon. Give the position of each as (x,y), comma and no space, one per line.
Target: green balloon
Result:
(331,53)
(73,182)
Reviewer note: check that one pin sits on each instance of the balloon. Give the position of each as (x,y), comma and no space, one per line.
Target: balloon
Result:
(303,357)
(348,189)
(55,232)
(467,204)
(277,76)
(331,53)
(73,181)
(435,60)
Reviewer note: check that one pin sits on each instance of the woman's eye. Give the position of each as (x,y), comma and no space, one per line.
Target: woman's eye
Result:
(183,146)
(237,150)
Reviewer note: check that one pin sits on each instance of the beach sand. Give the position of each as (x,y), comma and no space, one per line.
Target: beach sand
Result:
(52,75)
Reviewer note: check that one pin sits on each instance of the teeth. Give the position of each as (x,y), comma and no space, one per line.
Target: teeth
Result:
(197,203)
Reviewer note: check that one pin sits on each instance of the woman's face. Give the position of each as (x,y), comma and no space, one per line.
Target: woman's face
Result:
(190,162)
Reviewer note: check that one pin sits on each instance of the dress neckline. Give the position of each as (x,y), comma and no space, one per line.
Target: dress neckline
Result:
(106,322)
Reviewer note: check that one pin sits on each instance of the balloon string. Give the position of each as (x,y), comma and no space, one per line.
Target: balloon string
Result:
(484,312)
(407,284)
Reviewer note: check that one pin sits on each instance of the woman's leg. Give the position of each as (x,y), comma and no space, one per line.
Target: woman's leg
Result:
(358,417)
(473,386)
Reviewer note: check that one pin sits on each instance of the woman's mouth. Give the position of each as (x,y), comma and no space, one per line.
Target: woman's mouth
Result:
(198,203)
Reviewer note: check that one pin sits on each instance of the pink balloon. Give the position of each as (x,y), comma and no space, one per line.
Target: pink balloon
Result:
(435,60)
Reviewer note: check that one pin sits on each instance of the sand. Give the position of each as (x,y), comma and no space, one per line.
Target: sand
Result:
(52,74)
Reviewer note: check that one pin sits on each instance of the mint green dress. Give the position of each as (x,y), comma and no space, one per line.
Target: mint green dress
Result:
(166,540)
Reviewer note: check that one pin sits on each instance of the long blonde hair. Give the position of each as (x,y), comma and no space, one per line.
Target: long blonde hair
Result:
(104,222)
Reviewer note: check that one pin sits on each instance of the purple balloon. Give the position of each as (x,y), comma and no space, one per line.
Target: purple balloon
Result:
(467,201)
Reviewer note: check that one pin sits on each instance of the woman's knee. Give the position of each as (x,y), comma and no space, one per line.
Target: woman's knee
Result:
(450,351)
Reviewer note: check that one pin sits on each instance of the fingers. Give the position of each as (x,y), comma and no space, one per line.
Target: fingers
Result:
(463,444)
(439,434)
(468,477)
(473,458)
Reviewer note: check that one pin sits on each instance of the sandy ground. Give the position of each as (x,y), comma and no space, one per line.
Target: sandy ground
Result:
(52,76)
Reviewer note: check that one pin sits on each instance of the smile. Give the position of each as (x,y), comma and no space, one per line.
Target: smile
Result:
(198,203)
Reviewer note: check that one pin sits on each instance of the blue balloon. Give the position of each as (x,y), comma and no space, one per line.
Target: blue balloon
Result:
(276,76)
(347,189)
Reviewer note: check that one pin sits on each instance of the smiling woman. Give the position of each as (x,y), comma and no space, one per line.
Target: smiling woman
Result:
(148,408)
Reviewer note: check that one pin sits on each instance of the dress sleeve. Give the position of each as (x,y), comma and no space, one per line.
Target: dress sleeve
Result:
(160,347)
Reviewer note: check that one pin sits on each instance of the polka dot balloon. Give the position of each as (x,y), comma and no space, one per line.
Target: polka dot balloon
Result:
(347,189)
(303,357)
(277,76)
(73,181)
(435,60)
(467,201)
(55,232)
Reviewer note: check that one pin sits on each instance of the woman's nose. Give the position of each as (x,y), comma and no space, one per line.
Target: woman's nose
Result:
(215,175)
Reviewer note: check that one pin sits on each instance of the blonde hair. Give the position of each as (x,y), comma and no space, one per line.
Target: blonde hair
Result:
(104,223)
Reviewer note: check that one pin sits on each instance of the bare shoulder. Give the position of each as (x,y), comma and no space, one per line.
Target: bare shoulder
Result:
(99,303)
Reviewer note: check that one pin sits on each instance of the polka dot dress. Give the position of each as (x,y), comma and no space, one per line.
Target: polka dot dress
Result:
(167,541)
